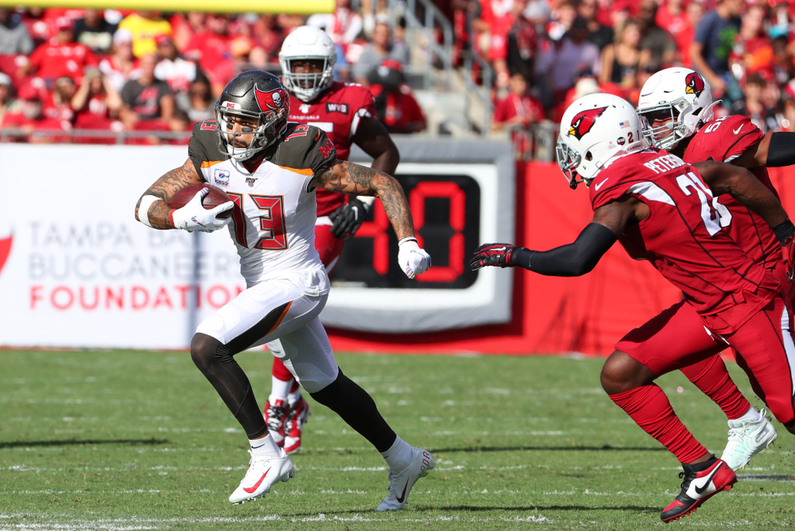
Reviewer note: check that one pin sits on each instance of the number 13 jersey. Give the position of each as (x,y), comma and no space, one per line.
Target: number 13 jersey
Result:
(273,222)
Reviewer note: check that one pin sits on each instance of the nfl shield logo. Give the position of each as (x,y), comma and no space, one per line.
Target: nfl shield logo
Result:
(251,181)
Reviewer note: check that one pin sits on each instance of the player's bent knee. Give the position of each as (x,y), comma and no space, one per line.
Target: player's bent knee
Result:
(790,426)
(621,372)
(203,350)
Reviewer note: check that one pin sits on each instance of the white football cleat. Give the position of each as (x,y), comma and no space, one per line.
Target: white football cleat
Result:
(264,471)
(400,484)
(746,439)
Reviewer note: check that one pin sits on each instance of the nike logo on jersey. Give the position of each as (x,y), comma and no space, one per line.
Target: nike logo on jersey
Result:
(737,131)
(257,484)
(700,489)
(598,186)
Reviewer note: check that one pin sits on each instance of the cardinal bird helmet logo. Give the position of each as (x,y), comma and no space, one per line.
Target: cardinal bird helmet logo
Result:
(583,122)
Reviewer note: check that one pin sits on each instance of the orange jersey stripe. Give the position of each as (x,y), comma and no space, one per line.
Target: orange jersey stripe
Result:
(281,317)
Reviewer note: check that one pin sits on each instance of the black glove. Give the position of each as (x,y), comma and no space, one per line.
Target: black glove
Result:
(347,219)
(785,232)
(492,254)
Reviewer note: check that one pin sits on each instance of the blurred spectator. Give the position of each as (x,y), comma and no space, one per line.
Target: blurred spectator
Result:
(144,26)
(94,31)
(199,102)
(753,50)
(562,18)
(395,105)
(784,63)
(38,28)
(211,47)
(267,33)
(59,103)
(240,50)
(14,36)
(597,33)
(680,18)
(517,111)
(537,12)
(659,42)
(563,58)
(344,25)
(622,60)
(178,72)
(61,56)
(96,103)
(712,44)
(513,46)
(754,106)
(146,97)
(180,123)
(31,118)
(120,65)
(6,92)
(376,51)
(185,25)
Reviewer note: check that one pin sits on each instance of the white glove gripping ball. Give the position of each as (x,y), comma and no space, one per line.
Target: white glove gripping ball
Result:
(413,260)
(194,217)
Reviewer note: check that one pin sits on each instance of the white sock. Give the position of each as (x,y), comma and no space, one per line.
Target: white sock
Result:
(264,446)
(279,390)
(399,455)
(752,415)
(294,398)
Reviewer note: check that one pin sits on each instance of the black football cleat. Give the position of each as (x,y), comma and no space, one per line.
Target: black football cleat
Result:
(699,486)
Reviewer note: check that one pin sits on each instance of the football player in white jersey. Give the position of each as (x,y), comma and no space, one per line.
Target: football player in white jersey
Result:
(346,113)
(271,169)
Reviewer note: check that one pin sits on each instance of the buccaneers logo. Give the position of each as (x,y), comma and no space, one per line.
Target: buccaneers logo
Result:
(583,122)
(273,100)
(695,84)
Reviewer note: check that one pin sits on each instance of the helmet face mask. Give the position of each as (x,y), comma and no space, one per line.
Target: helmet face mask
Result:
(595,130)
(259,103)
(676,102)
(308,43)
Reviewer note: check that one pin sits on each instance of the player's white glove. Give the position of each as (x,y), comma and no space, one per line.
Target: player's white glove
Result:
(194,217)
(413,260)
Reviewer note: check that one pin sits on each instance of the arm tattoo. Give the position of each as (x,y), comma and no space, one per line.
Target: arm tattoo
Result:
(349,178)
(164,188)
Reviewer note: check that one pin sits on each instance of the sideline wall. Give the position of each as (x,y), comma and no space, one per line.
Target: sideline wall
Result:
(76,270)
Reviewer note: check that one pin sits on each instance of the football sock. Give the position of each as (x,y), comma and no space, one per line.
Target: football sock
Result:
(752,415)
(279,390)
(399,455)
(264,446)
(279,370)
(294,397)
(648,406)
(357,408)
(712,378)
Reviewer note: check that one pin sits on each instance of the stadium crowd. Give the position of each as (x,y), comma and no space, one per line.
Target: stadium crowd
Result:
(156,74)
(546,54)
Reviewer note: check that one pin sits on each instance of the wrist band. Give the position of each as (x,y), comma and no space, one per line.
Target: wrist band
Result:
(143,209)
(409,239)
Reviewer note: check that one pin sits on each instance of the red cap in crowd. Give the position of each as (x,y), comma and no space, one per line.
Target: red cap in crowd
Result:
(162,39)
(29,92)
(392,64)
(64,23)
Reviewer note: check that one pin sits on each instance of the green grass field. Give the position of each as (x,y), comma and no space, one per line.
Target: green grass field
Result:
(127,440)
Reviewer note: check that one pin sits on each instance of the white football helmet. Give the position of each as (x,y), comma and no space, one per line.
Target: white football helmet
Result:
(678,98)
(596,129)
(308,42)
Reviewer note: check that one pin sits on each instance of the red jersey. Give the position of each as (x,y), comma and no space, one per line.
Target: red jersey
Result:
(723,140)
(683,239)
(54,59)
(337,112)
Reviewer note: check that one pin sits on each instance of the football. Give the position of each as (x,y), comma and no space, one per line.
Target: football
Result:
(211,200)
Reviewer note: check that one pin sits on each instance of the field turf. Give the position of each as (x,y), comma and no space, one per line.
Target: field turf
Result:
(129,440)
